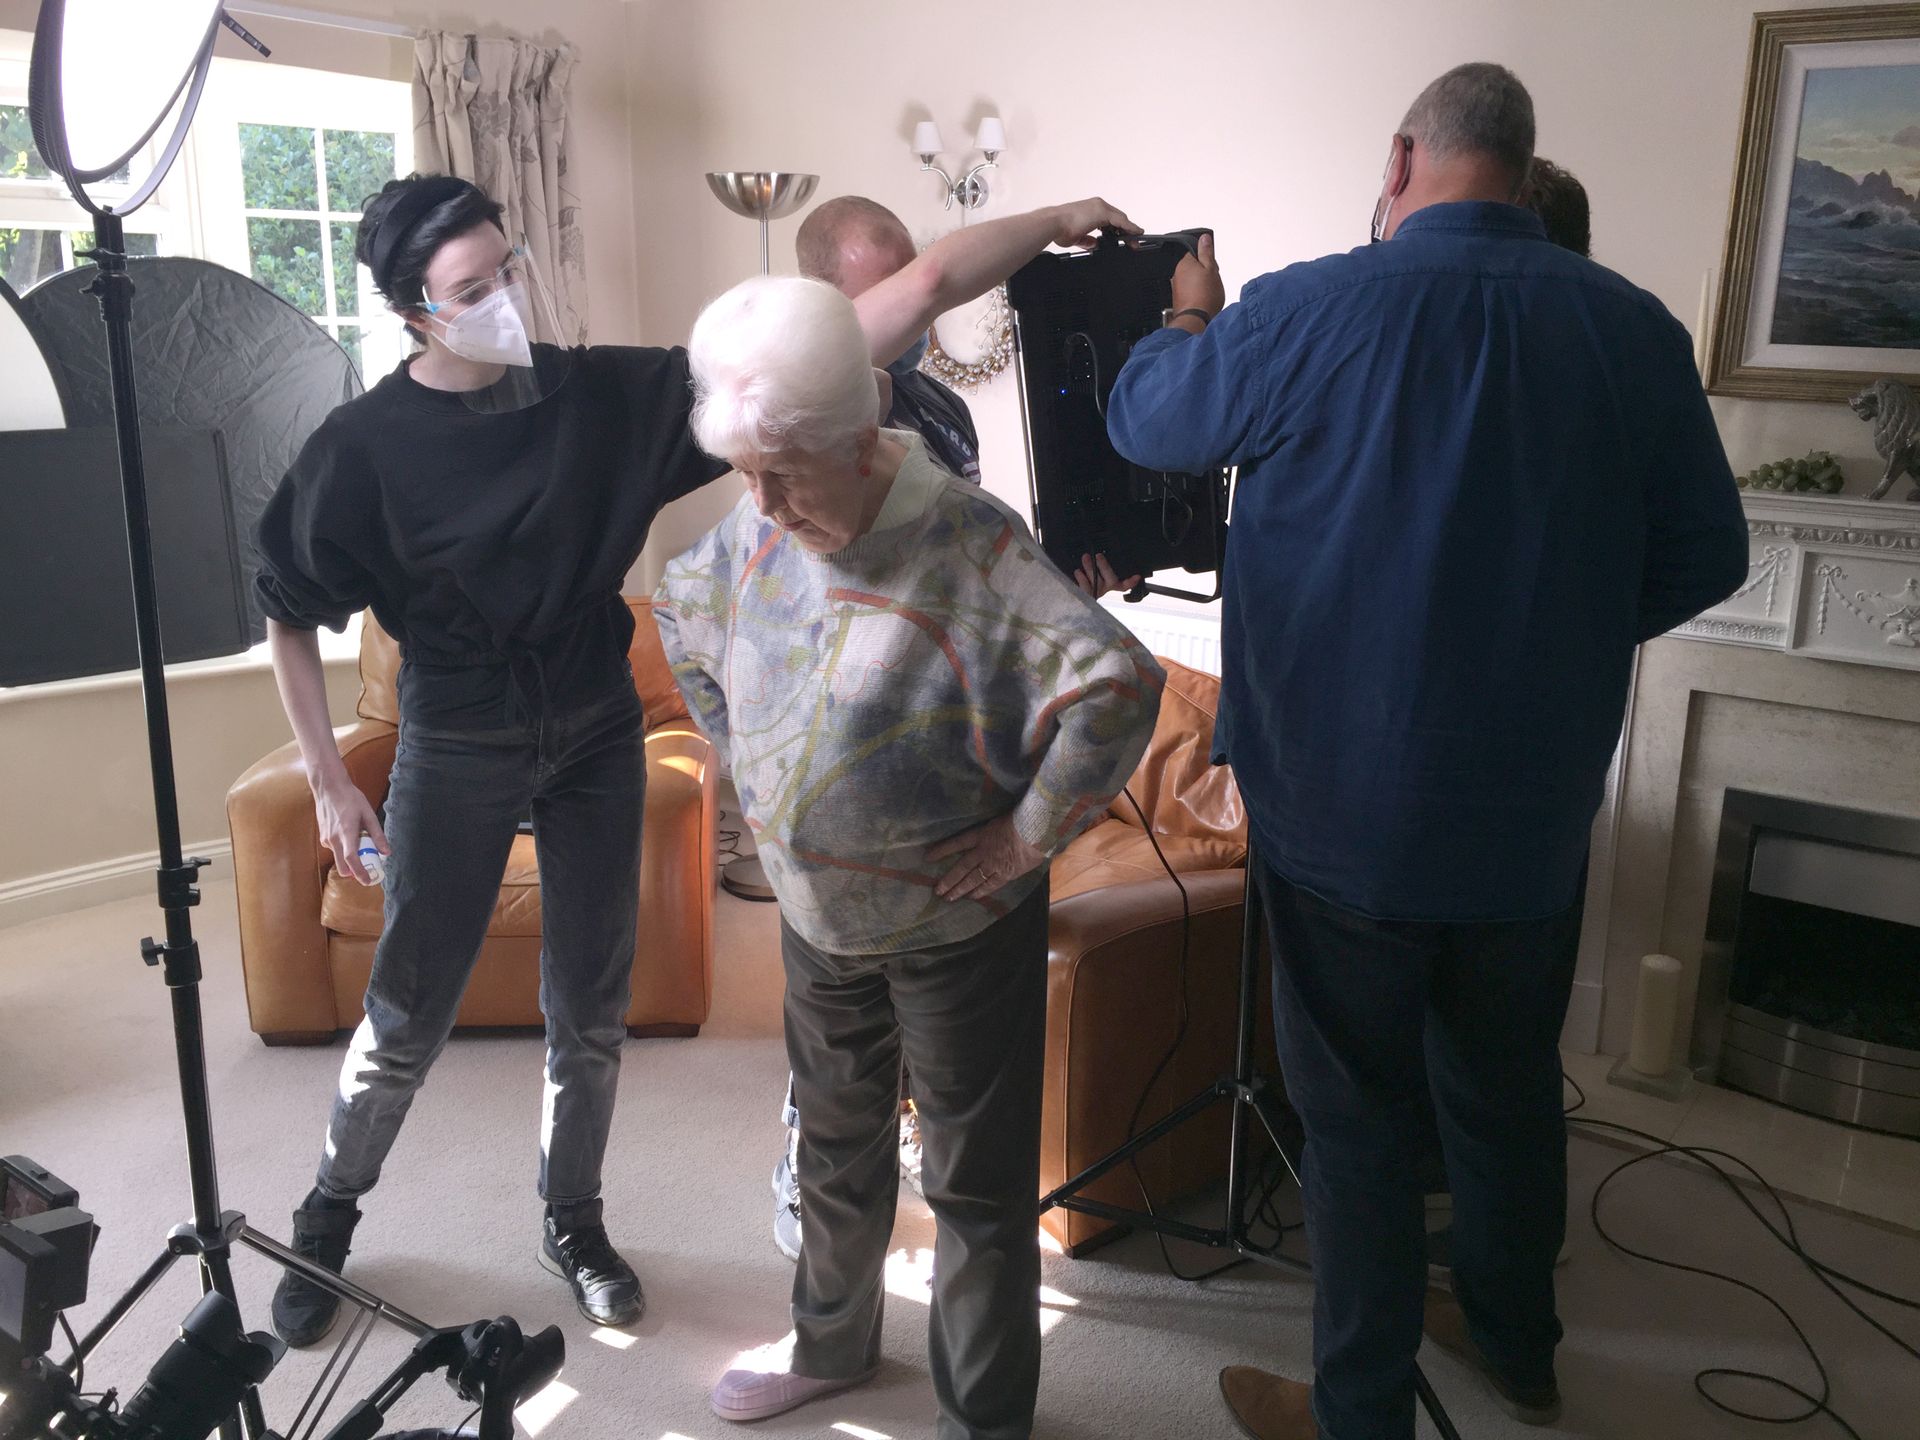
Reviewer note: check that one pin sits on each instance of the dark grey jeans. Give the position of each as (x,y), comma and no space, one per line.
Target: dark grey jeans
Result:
(455,801)
(970,1019)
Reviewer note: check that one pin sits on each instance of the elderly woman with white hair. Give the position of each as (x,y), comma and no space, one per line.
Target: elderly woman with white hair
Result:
(919,710)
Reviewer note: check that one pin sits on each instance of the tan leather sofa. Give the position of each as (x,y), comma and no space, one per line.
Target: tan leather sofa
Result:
(307,933)
(1115,987)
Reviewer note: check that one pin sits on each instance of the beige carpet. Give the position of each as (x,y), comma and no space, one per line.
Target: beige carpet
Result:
(87,1087)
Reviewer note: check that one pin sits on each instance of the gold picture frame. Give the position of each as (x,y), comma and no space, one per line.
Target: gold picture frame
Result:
(1825,295)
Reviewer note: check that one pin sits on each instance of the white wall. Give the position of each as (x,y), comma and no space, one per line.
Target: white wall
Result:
(1266,119)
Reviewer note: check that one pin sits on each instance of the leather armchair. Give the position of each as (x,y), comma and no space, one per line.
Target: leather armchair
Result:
(307,933)
(1115,986)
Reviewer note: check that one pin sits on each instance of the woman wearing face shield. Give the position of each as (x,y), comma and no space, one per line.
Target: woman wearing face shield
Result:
(486,501)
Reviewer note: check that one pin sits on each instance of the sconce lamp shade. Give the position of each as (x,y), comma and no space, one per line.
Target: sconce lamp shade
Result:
(991,137)
(107,76)
(926,138)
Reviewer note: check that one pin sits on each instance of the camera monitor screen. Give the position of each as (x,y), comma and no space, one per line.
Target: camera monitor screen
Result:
(1076,319)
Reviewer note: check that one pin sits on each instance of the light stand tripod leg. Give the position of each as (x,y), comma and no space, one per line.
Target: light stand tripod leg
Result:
(1250,1098)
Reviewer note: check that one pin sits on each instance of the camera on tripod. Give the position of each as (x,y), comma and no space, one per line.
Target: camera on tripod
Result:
(46,1246)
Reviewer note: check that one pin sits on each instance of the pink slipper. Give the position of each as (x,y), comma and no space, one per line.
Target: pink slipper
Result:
(744,1395)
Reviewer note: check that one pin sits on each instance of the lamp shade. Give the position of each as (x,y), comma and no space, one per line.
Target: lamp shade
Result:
(926,138)
(991,135)
(108,75)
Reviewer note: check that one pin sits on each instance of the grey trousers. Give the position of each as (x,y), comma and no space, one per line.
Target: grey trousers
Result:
(452,810)
(970,1019)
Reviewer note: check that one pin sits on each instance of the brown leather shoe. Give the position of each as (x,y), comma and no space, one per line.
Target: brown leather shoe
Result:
(1446,1325)
(1268,1407)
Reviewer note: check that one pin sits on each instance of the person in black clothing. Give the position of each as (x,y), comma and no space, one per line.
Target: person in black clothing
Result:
(486,500)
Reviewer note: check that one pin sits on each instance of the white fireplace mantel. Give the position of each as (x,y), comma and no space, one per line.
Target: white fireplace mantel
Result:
(1830,578)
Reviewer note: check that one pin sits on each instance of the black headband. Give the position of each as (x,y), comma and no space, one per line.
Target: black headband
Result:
(416,202)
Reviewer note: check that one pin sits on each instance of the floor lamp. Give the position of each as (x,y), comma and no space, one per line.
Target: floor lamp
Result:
(766,196)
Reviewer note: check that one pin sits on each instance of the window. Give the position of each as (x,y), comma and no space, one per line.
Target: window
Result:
(303,189)
(282,159)
(42,231)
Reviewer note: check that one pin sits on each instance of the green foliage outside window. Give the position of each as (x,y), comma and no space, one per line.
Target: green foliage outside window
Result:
(358,162)
(287,260)
(277,169)
(18,157)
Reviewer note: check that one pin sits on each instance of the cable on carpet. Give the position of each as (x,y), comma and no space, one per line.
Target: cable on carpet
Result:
(1785,1234)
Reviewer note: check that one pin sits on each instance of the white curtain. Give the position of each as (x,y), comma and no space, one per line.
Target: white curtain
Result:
(494,111)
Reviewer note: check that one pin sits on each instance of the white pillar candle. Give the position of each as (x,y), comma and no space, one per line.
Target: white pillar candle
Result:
(1656,1013)
(1705,320)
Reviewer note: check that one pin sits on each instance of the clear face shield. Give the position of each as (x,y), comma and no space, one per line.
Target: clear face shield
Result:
(505,321)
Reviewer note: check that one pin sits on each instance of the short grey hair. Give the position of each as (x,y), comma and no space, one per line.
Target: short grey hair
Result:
(1476,109)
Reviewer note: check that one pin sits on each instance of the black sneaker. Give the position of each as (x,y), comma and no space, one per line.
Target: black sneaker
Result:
(303,1312)
(575,1247)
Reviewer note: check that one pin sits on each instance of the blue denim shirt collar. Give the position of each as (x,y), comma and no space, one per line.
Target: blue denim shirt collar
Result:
(1487,216)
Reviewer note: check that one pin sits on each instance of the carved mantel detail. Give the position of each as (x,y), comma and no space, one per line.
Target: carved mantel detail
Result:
(1833,579)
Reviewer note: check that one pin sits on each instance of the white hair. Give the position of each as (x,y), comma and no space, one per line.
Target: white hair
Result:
(780,363)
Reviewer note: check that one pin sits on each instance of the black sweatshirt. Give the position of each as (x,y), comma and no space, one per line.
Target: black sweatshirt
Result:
(491,546)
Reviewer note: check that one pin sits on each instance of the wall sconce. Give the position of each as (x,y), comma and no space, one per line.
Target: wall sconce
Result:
(971,189)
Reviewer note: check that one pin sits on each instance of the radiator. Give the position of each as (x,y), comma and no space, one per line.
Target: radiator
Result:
(1191,636)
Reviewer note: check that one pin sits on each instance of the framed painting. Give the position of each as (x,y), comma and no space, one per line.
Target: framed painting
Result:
(1821,287)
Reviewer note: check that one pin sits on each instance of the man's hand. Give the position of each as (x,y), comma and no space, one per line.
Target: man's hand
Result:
(1076,223)
(1095,576)
(1196,282)
(986,858)
(345,813)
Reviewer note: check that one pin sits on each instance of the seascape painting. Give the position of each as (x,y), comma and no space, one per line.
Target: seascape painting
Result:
(1850,257)
(1819,287)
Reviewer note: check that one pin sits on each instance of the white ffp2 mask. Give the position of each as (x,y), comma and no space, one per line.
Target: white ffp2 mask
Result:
(493,330)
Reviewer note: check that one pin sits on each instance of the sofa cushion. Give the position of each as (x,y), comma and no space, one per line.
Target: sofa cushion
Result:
(349,908)
(1176,782)
(1116,853)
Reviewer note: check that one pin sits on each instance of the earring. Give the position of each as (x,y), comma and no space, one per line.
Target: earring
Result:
(866,470)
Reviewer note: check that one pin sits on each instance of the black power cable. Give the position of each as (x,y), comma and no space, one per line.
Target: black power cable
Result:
(1784,1232)
(1276,1174)
(1789,1239)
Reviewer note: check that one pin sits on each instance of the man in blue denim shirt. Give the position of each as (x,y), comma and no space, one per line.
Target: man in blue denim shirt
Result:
(1476,471)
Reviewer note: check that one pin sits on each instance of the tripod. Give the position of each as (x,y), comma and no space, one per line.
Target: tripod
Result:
(1252,1098)
(211,1235)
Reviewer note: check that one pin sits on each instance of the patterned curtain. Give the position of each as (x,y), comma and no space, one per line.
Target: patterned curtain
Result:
(494,111)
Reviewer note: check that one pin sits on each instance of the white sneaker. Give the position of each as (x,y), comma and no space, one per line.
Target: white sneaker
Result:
(910,1149)
(764,1385)
(786,1208)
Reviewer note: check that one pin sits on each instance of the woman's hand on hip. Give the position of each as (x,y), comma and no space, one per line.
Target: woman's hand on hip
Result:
(345,814)
(985,858)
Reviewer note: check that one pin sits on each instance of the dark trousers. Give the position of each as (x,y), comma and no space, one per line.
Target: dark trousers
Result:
(970,1018)
(453,808)
(1371,1017)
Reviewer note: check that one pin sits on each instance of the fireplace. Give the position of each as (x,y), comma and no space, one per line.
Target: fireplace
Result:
(1810,973)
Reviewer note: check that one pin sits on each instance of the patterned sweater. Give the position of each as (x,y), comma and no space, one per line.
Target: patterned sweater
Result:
(936,673)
